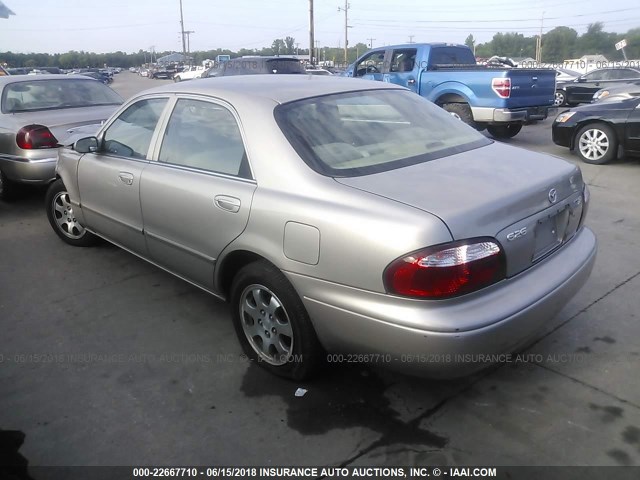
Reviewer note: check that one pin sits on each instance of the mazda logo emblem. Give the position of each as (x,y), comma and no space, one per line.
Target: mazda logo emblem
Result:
(553,195)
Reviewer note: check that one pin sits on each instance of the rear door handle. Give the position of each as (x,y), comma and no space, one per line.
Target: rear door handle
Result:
(229,204)
(126,178)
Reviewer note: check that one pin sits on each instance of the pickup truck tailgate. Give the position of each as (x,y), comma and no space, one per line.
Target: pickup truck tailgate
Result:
(531,87)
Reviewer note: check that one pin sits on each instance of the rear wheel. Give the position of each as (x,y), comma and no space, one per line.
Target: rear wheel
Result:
(461,111)
(509,130)
(560,98)
(176,78)
(62,219)
(272,324)
(596,143)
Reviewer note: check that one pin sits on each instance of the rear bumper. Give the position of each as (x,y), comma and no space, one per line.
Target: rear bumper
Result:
(446,338)
(509,115)
(25,170)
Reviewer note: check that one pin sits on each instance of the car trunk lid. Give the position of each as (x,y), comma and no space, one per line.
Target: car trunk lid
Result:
(63,122)
(531,203)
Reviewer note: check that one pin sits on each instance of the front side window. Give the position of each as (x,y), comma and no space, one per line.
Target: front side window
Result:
(372,63)
(130,134)
(360,133)
(205,136)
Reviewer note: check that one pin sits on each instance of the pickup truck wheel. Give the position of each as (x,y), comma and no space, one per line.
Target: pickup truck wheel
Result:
(560,98)
(61,217)
(272,324)
(462,111)
(596,143)
(509,130)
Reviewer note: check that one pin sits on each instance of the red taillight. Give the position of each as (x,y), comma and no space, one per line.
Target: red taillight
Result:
(446,271)
(502,86)
(36,136)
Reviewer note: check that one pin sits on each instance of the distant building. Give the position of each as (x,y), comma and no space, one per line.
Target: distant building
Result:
(5,11)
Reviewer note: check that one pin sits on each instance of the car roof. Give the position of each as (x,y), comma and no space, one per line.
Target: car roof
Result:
(278,88)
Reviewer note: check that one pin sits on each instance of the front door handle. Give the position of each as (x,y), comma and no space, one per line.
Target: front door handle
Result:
(126,178)
(411,81)
(227,203)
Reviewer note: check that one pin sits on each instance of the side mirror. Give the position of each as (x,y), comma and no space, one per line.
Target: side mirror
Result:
(86,145)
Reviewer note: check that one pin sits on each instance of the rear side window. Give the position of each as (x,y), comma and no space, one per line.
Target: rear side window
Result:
(360,133)
(205,136)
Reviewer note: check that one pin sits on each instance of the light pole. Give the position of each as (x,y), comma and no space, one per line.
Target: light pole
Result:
(346,8)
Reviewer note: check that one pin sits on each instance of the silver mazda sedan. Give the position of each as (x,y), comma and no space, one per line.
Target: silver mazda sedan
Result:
(37,112)
(342,220)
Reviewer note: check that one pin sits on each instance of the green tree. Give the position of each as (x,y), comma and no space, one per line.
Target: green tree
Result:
(559,44)
(290,43)
(278,46)
(471,42)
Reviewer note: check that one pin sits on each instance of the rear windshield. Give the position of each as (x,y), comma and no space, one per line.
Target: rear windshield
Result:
(359,133)
(32,95)
(451,56)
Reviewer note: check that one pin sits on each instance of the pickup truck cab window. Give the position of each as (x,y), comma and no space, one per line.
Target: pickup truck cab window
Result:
(130,134)
(403,60)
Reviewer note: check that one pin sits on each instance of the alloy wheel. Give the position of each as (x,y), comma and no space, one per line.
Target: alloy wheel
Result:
(65,218)
(593,144)
(266,324)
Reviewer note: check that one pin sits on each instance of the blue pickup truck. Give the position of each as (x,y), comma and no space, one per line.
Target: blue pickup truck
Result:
(499,99)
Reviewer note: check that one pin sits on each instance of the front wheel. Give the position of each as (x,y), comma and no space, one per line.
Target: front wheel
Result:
(272,324)
(62,218)
(176,79)
(509,130)
(596,143)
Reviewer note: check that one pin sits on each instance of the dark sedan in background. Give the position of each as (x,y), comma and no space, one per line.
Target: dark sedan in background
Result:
(582,89)
(596,131)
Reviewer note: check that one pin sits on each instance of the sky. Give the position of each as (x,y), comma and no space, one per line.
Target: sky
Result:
(58,26)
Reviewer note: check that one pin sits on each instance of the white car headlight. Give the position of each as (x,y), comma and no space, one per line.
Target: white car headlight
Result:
(563,117)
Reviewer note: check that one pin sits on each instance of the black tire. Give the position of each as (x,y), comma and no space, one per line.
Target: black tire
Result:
(509,130)
(68,229)
(461,111)
(596,143)
(560,98)
(297,353)
(177,78)
(7,188)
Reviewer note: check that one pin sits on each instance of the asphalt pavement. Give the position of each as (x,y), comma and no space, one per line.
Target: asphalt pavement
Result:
(107,360)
